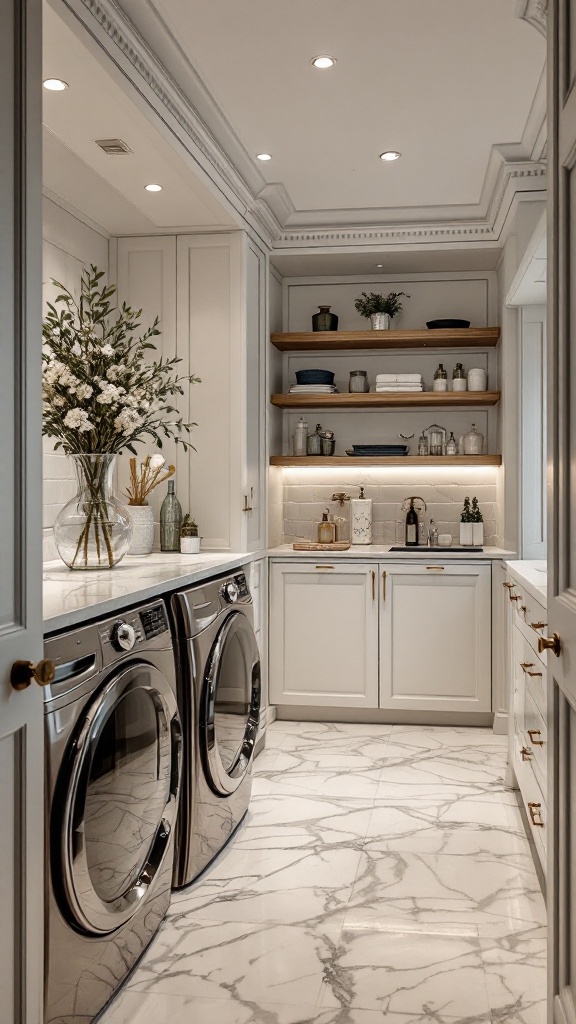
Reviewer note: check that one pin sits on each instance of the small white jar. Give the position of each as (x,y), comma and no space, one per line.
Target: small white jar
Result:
(189,545)
(477,379)
(445,540)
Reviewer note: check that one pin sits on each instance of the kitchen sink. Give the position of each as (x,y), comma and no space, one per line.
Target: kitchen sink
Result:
(421,549)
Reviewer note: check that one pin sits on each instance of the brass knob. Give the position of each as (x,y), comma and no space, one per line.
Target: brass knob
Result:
(535,732)
(23,672)
(526,753)
(550,643)
(535,813)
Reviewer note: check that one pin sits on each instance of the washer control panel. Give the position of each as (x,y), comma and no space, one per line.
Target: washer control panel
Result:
(123,636)
(241,586)
(132,630)
(153,621)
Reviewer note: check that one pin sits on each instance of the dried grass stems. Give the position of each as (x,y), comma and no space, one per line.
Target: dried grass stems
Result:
(145,479)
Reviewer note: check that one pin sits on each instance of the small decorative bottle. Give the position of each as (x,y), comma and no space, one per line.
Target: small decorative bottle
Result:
(324,320)
(451,445)
(458,378)
(314,446)
(440,379)
(326,529)
(170,521)
(423,445)
(300,437)
(433,534)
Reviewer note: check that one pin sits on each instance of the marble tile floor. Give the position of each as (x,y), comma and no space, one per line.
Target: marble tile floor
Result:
(382,873)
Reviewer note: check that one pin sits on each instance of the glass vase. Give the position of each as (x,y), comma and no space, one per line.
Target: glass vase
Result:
(94,530)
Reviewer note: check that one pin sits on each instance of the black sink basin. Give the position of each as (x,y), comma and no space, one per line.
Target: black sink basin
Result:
(421,549)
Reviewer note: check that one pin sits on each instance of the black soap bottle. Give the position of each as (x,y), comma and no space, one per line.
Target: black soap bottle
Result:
(411,525)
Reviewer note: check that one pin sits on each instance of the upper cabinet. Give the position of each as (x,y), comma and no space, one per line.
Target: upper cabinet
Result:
(214,287)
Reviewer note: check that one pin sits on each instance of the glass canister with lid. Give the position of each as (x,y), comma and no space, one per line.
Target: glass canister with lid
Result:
(473,442)
(358,382)
(459,378)
(300,438)
(314,444)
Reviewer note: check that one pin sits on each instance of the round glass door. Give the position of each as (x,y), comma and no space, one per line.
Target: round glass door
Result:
(121,798)
(231,704)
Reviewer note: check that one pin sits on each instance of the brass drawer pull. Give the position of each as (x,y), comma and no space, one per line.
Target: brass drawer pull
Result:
(384,578)
(525,665)
(535,812)
(509,586)
(436,568)
(515,597)
(523,608)
(533,674)
(324,567)
(526,753)
(535,732)
(538,625)
(373,585)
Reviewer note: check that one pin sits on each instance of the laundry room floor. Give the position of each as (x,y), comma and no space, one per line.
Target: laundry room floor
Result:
(382,873)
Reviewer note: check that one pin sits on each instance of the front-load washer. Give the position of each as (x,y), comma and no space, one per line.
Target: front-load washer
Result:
(113,750)
(219,702)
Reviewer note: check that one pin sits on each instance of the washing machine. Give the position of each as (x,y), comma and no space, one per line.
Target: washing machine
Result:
(218,682)
(114,752)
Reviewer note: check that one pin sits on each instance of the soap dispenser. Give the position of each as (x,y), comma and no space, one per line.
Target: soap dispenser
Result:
(361,518)
(326,529)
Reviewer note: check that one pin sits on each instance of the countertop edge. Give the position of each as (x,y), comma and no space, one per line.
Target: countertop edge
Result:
(518,570)
(382,552)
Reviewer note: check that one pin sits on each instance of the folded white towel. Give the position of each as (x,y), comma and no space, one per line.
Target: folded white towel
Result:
(410,378)
(399,388)
(400,378)
(386,378)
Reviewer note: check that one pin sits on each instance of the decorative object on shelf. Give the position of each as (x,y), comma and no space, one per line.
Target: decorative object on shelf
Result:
(445,540)
(300,438)
(189,539)
(466,531)
(314,377)
(414,533)
(170,521)
(394,382)
(432,535)
(380,309)
(324,320)
(423,445)
(361,519)
(473,442)
(306,545)
(342,521)
(446,324)
(440,379)
(314,442)
(327,442)
(436,439)
(380,449)
(326,529)
(458,378)
(101,394)
(477,379)
(152,472)
(451,445)
(358,382)
(477,521)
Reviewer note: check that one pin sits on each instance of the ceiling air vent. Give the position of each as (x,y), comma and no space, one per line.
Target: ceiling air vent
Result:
(113,147)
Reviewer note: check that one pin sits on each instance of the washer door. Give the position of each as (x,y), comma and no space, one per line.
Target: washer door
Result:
(230,705)
(116,801)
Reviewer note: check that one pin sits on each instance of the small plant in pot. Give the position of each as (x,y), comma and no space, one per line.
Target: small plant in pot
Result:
(189,539)
(380,309)
(471,524)
(152,472)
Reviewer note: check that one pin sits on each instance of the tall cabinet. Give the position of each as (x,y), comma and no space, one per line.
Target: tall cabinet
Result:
(210,293)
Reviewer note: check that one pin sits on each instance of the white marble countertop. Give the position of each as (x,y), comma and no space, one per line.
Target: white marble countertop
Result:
(532,575)
(383,552)
(71,597)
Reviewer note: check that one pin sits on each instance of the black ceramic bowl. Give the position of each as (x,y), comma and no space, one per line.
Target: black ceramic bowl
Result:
(437,325)
(314,377)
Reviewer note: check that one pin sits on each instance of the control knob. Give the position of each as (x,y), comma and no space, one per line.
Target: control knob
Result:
(230,592)
(123,636)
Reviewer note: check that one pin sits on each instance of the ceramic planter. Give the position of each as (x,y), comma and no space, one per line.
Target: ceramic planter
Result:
(467,534)
(142,529)
(477,534)
(380,321)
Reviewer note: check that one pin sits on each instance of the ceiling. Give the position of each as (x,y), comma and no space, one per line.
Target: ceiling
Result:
(442,81)
(109,190)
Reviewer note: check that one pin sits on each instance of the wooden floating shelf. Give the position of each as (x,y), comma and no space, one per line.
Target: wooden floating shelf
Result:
(341,341)
(318,461)
(389,400)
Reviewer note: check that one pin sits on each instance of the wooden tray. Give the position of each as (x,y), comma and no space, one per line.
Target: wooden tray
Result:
(306,545)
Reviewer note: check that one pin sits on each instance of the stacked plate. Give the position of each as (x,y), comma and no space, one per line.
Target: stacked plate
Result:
(313,389)
(374,450)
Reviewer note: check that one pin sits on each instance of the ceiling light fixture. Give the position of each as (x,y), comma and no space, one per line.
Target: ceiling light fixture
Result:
(153,188)
(379,265)
(390,154)
(55,84)
(323,61)
(263,156)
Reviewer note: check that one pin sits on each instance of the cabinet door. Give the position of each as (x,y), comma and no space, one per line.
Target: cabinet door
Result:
(435,637)
(255,414)
(324,635)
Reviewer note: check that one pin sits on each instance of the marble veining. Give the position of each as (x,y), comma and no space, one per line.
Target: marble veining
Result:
(382,872)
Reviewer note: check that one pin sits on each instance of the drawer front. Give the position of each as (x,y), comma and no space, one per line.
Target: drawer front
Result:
(532,799)
(536,740)
(530,618)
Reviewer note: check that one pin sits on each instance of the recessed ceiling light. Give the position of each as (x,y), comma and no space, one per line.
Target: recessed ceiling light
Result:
(323,61)
(263,156)
(153,188)
(390,154)
(55,84)
(379,265)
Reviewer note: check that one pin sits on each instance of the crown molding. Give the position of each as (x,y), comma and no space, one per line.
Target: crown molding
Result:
(535,12)
(173,98)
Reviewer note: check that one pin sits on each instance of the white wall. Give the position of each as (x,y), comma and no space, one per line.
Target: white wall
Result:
(69,245)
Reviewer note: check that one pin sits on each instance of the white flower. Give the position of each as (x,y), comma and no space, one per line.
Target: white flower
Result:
(127,422)
(59,402)
(84,391)
(110,395)
(113,372)
(76,349)
(107,350)
(77,419)
(157,461)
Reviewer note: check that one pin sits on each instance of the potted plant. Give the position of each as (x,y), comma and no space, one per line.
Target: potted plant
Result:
(466,531)
(152,471)
(102,392)
(380,309)
(189,539)
(477,524)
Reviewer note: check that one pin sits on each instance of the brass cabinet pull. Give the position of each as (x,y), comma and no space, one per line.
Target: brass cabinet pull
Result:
(247,507)
(523,608)
(524,665)
(535,732)
(515,597)
(436,568)
(535,812)
(23,672)
(373,585)
(526,753)
(534,673)
(538,625)
(509,586)
(324,567)
(550,643)
(384,577)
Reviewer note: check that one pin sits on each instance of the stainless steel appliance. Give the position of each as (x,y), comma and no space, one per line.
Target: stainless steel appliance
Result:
(113,748)
(219,704)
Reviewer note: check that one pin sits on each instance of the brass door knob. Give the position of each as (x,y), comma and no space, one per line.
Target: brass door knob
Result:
(550,643)
(23,672)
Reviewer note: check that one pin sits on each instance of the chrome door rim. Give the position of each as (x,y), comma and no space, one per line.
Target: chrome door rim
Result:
(224,782)
(90,911)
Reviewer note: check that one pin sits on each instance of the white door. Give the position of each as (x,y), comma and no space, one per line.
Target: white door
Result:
(324,635)
(435,637)
(21,719)
(562,512)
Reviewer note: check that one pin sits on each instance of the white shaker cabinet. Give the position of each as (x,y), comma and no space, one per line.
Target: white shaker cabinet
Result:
(324,634)
(435,637)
